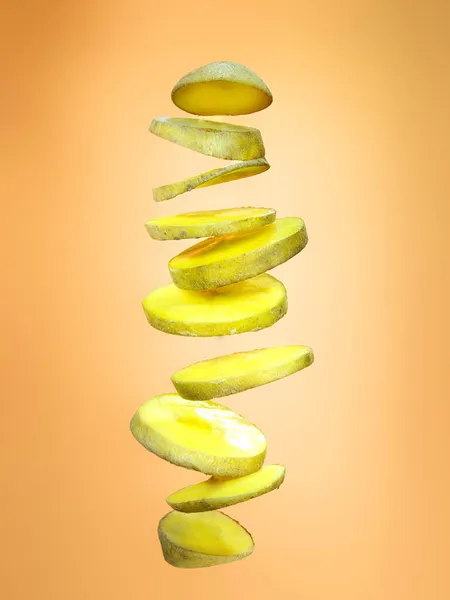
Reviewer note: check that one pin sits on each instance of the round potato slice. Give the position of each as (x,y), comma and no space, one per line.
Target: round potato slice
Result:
(230,258)
(221,88)
(198,540)
(239,170)
(234,373)
(246,306)
(221,140)
(209,223)
(198,435)
(215,493)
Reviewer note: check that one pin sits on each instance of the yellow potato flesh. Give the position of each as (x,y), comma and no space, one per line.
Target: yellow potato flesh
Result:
(246,306)
(241,371)
(239,170)
(209,223)
(230,258)
(220,98)
(221,140)
(199,435)
(214,493)
(202,539)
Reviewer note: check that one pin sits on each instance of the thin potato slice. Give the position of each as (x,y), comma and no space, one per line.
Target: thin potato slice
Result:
(226,259)
(203,436)
(239,170)
(221,88)
(207,539)
(234,373)
(209,223)
(221,140)
(246,306)
(215,493)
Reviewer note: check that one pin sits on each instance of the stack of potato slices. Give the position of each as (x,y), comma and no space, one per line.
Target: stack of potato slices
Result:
(220,286)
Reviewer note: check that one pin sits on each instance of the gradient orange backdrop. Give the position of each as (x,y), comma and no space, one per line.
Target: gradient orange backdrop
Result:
(357,138)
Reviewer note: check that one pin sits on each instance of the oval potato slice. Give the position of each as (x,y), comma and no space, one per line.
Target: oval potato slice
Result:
(239,170)
(227,259)
(198,540)
(221,140)
(234,373)
(199,435)
(209,223)
(246,306)
(215,493)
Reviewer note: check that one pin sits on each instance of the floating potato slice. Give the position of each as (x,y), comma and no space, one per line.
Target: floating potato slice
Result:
(234,373)
(239,170)
(202,539)
(226,259)
(215,493)
(199,435)
(246,306)
(221,88)
(221,140)
(209,223)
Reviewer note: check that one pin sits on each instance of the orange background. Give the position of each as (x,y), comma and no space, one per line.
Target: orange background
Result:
(357,140)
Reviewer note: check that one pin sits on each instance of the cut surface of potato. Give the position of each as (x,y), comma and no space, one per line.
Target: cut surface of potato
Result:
(209,223)
(221,140)
(226,259)
(221,88)
(199,435)
(239,170)
(215,493)
(246,306)
(234,373)
(202,539)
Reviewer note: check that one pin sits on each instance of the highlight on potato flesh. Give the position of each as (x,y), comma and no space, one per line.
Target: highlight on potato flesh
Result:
(219,287)
(199,435)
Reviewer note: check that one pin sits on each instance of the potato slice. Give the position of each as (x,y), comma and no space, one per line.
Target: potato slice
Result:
(221,88)
(215,493)
(203,436)
(239,170)
(209,223)
(230,258)
(207,539)
(234,373)
(221,140)
(246,306)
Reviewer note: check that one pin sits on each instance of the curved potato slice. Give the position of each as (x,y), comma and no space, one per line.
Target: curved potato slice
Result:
(246,306)
(215,493)
(203,436)
(221,88)
(234,373)
(226,259)
(221,140)
(209,223)
(202,539)
(239,170)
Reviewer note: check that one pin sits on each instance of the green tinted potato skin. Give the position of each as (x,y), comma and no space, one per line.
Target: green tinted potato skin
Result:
(228,145)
